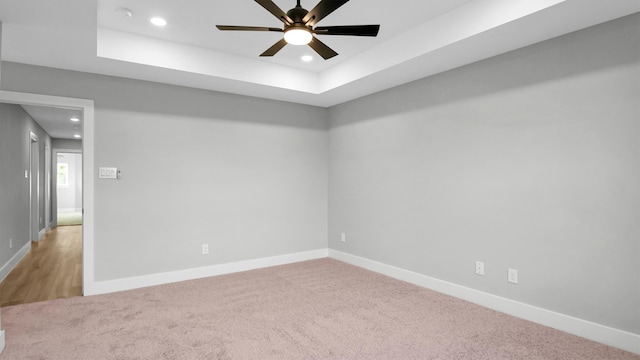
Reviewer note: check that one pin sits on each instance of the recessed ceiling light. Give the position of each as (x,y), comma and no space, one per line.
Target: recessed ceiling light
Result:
(77,136)
(158,21)
(74,119)
(306,58)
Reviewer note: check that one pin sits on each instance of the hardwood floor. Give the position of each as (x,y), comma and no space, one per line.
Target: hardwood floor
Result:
(51,270)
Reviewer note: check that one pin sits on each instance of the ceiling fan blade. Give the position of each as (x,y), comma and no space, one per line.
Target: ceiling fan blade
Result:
(275,48)
(322,49)
(352,30)
(324,8)
(276,11)
(248,28)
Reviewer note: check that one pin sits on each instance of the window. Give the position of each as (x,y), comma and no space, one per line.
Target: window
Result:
(63,175)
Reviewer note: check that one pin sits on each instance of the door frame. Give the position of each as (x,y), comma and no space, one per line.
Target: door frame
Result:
(88,182)
(34,176)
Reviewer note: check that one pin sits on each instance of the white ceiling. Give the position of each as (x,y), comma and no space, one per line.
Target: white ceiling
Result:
(57,121)
(192,23)
(418,38)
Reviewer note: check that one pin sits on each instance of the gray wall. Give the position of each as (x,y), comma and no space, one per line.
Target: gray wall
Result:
(529,160)
(0,51)
(66,144)
(245,175)
(15,125)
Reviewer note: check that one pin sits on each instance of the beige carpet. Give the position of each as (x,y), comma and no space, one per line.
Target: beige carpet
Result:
(321,309)
(69,218)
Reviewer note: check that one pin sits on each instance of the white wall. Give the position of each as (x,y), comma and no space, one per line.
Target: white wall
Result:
(245,175)
(529,160)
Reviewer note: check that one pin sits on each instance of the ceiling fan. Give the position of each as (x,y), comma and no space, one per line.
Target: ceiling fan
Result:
(299,27)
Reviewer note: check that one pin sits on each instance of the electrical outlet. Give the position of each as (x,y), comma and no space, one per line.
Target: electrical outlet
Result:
(343,237)
(10,243)
(205,249)
(479,268)
(512,276)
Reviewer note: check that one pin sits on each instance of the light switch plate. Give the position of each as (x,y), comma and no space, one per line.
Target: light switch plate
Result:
(108,173)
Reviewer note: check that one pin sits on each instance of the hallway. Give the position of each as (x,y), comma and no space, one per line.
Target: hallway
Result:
(51,270)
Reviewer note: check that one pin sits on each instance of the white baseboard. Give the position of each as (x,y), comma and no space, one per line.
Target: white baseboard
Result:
(6,269)
(41,234)
(586,329)
(104,287)
(596,332)
(1,340)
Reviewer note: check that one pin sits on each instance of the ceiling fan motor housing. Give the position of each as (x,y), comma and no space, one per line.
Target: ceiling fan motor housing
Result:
(297,14)
(297,33)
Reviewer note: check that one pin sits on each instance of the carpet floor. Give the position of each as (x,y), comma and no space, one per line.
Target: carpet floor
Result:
(320,309)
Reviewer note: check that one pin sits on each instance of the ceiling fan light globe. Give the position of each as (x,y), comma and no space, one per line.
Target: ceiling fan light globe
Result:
(297,36)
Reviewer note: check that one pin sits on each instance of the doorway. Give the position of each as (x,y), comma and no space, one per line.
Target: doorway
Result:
(87,108)
(68,186)
(44,263)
